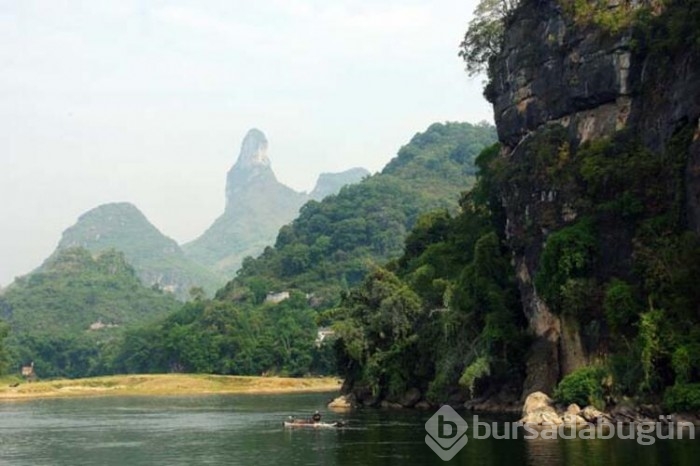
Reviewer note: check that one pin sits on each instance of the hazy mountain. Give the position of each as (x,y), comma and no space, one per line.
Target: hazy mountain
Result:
(330,183)
(332,242)
(257,205)
(157,259)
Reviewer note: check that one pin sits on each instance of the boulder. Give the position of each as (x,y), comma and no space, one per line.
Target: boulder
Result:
(535,402)
(539,410)
(623,414)
(573,420)
(573,409)
(342,402)
(594,416)
(385,404)
(410,398)
(542,418)
(423,405)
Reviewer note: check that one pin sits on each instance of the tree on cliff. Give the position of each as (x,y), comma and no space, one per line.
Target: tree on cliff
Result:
(484,36)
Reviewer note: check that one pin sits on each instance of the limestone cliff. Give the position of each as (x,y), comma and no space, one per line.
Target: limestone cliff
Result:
(559,84)
(257,205)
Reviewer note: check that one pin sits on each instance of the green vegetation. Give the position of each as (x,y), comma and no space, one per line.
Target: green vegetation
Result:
(682,398)
(583,387)
(620,305)
(623,268)
(377,326)
(444,318)
(484,36)
(4,330)
(51,311)
(75,289)
(222,338)
(568,255)
(598,13)
(333,243)
(329,248)
(157,259)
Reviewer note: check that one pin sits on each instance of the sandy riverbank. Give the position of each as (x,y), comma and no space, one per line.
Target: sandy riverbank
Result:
(164,385)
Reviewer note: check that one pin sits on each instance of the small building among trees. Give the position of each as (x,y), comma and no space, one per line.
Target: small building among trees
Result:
(28,372)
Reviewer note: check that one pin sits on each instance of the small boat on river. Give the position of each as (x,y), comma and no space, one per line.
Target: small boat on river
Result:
(312,423)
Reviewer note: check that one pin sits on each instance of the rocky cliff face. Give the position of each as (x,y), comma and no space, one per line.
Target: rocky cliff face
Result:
(559,84)
(252,173)
(257,205)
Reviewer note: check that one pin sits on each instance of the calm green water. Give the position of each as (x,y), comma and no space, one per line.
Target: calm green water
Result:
(246,430)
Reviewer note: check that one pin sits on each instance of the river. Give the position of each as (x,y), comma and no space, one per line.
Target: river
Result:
(247,430)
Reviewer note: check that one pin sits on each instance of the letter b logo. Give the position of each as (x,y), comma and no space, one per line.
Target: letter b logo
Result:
(451,430)
(446,433)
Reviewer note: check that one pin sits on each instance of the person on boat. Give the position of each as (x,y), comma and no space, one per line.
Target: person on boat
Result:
(316,418)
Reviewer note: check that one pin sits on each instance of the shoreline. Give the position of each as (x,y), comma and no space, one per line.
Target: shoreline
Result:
(166,385)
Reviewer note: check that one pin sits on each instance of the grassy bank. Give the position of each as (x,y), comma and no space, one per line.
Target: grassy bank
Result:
(162,385)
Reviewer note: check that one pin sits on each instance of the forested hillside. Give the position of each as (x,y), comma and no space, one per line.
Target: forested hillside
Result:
(572,268)
(333,243)
(327,249)
(157,259)
(82,315)
(444,320)
(62,316)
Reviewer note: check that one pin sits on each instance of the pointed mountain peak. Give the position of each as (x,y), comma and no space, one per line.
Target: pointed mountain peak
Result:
(252,170)
(253,150)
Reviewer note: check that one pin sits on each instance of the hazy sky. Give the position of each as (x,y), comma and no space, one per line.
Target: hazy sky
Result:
(147,101)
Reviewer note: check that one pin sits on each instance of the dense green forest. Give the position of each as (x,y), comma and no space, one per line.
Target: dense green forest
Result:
(431,271)
(334,242)
(444,317)
(224,338)
(600,226)
(328,248)
(4,358)
(65,315)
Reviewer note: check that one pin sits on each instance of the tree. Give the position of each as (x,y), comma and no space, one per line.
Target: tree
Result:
(4,330)
(484,37)
(376,324)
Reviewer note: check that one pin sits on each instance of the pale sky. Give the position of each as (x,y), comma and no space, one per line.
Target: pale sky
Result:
(148,101)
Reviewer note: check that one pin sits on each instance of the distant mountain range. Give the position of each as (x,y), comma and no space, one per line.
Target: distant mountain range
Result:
(157,259)
(332,244)
(257,205)
(90,308)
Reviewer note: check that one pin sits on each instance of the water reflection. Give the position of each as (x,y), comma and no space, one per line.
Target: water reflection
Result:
(602,452)
(246,430)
